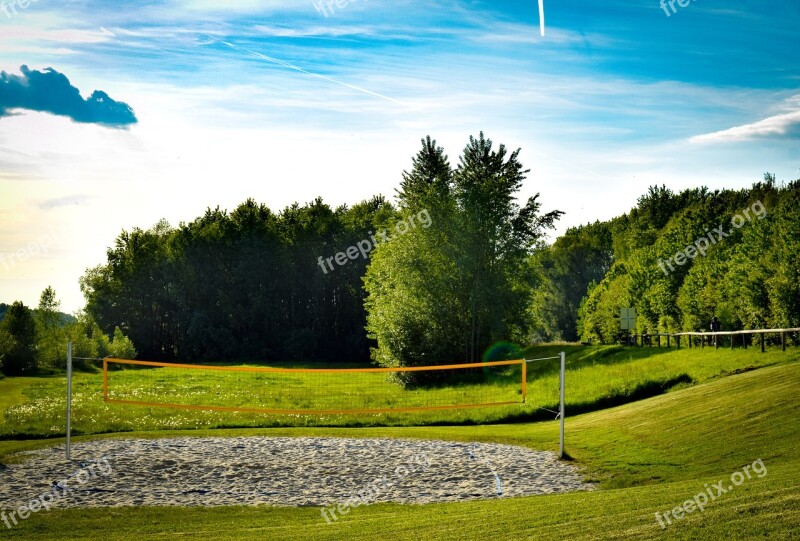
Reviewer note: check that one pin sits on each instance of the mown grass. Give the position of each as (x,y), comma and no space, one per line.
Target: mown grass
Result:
(597,378)
(649,456)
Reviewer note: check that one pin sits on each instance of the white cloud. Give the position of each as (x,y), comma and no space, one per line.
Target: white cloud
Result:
(240,6)
(775,125)
(67,35)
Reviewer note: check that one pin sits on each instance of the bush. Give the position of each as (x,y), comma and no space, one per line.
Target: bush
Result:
(121,347)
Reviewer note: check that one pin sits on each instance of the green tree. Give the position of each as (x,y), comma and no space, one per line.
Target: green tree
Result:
(19,327)
(449,291)
(581,256)
(88,339)
(413,308)
(496,237)
(746,274)
(244,285)
(121,347)
(7,344)
(51,344)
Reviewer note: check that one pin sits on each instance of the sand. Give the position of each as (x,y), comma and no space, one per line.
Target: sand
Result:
(280,472)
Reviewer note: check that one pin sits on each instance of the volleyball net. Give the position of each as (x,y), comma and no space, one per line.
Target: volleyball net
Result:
(314,391)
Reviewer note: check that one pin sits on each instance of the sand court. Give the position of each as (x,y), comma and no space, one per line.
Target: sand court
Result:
(305,471)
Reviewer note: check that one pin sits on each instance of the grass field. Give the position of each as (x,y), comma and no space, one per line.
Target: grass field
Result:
(648,456)
(597,378)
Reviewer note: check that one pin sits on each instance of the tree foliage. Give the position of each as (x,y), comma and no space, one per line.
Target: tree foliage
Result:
(18,340)
(447,292)
(579,258)
(246,285)
(36,340)
(747,276)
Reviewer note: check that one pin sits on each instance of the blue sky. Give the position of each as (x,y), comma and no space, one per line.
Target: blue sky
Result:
(273,100)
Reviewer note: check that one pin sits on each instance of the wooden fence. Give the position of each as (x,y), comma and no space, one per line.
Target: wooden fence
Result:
(714,339)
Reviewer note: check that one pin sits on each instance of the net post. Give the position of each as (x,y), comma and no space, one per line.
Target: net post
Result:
(69,397)
(561,408)
(524,380)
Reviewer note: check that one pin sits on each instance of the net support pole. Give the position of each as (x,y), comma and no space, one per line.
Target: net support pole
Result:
(69,396)
(561,406)
(524,380)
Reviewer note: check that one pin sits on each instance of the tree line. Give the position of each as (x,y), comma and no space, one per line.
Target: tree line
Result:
(465,268)
(679,259)
(259,286)
(35,340)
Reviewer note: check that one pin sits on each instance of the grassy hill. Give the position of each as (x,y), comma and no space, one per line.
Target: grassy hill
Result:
(597,378)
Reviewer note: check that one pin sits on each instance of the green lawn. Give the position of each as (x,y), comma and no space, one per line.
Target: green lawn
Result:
(597,378)
(648,456)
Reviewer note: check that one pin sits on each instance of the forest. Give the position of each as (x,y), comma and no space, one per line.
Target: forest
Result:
(248,285)
(477,277)
(679,259)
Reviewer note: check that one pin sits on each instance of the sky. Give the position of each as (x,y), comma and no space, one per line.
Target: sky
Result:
(114,115)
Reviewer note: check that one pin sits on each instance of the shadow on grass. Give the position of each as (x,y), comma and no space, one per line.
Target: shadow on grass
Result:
(644,390)
(647,389)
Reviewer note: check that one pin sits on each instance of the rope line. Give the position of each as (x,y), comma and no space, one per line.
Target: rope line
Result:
(491,468)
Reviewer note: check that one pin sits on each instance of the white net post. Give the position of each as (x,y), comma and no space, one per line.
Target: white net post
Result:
(561,407)
(69,395)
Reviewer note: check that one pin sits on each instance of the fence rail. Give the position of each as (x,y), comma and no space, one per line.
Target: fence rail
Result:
(713,337)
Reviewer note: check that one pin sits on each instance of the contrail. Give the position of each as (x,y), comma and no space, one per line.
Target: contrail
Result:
(541,17)
(301,70)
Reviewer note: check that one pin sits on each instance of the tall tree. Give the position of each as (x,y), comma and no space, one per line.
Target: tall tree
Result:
(51,342)
(496,237)
(449,290)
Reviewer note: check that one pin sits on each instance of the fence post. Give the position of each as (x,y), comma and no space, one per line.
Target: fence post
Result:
(783,341)
(762,343)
